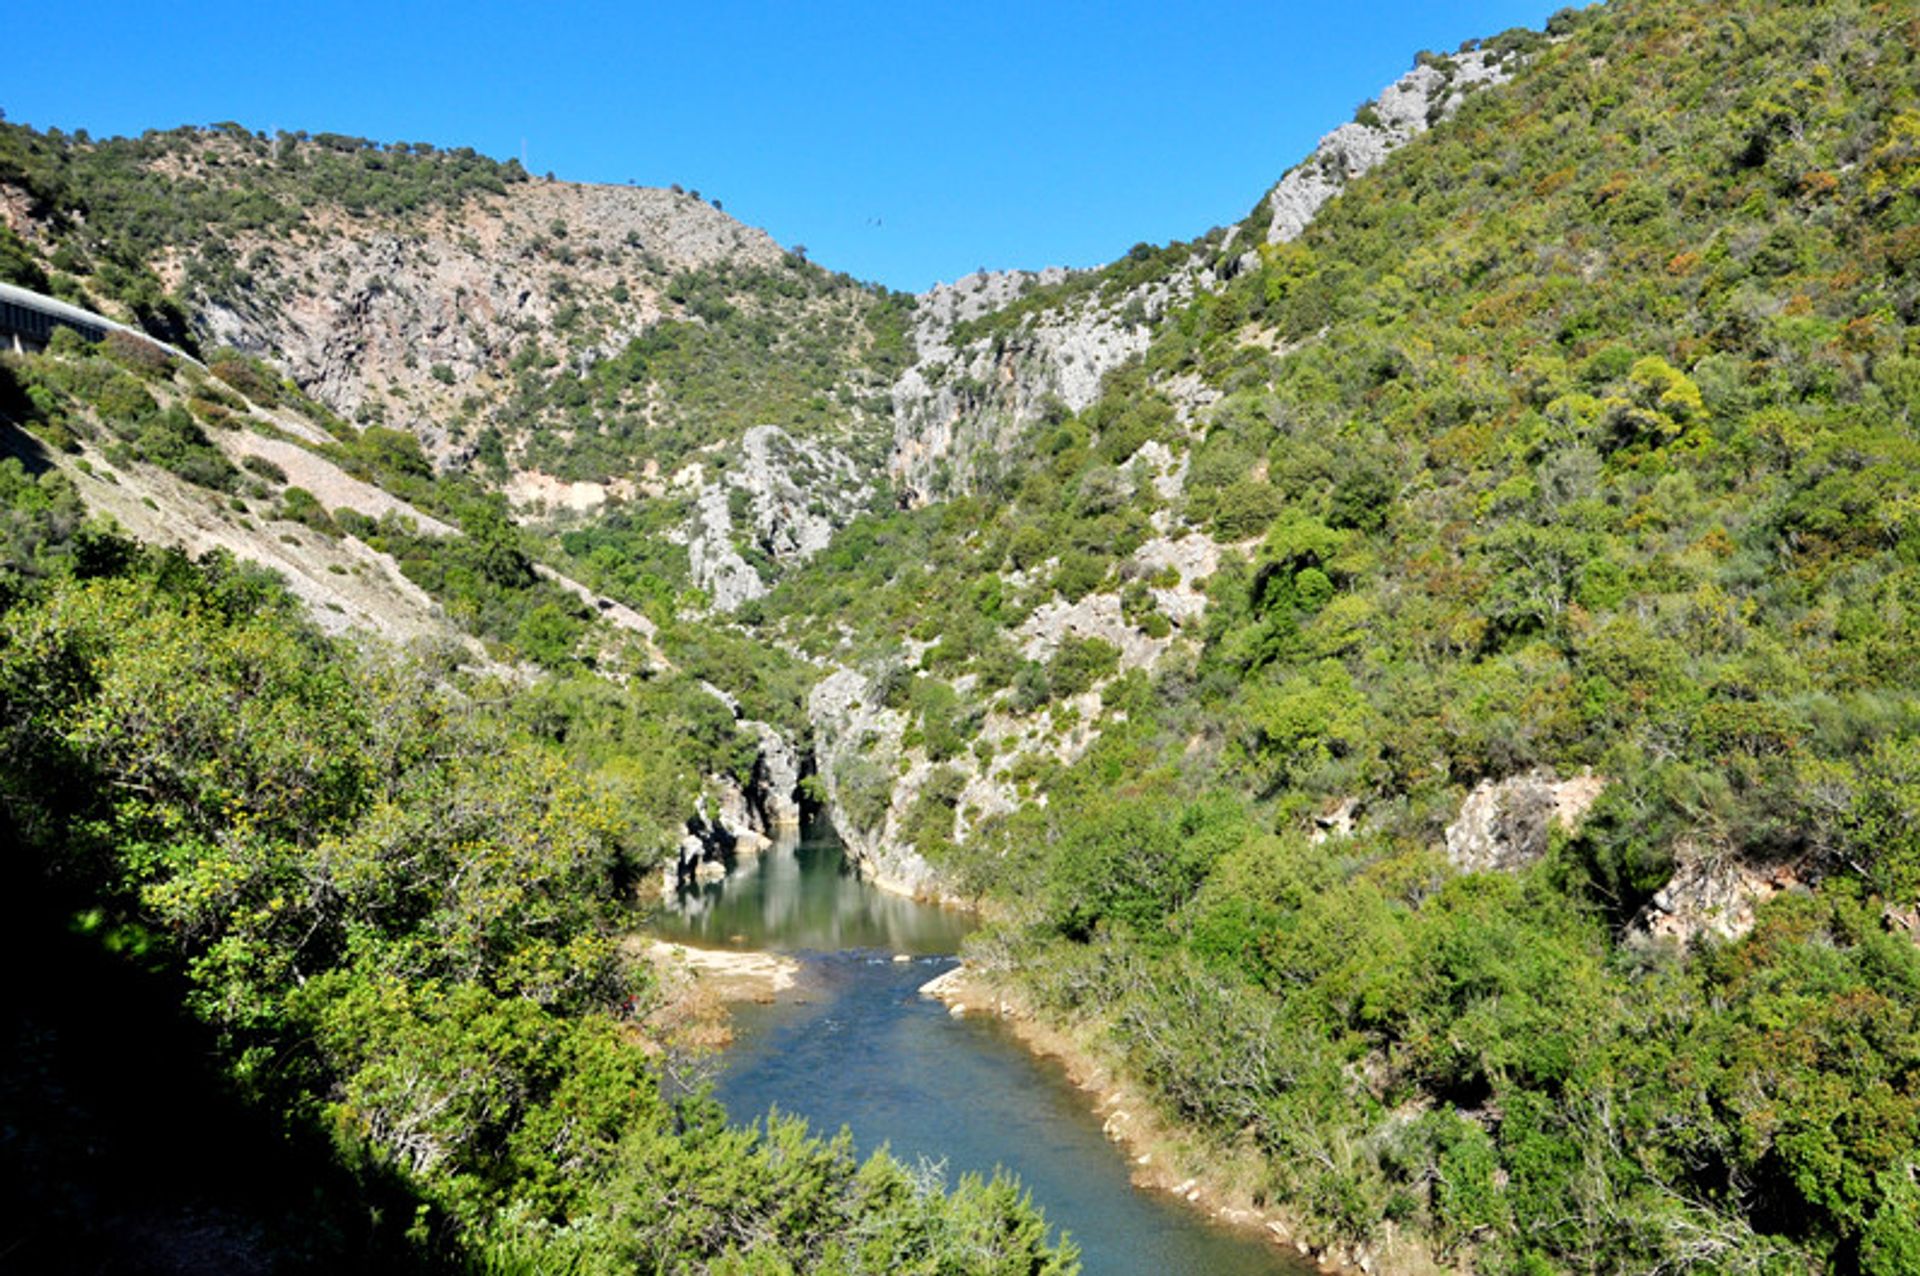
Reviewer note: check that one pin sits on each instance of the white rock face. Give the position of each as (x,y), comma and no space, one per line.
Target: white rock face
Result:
(848,728)
(1194,558)
(1094,616)
(969,297)
(1710,894)
(1503,823)
(776,781)
(533,490)
(735,817)
(961,406)
(851,732)
(717,565)
(798,493)
(731,821)
(1403,108)
(958,407)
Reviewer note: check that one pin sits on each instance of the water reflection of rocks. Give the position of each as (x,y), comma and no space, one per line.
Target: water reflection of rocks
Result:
(802,894)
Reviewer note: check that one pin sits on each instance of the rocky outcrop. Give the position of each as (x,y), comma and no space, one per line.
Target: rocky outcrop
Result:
(963,404)
(361,310)
(1503,823)
(857,744)
(1094,616)
(1712,894)
(1404,110)
(1191,560)
(732,819)
(959,406)
(774,793)
(1337,821)
(790,496)
(714,555)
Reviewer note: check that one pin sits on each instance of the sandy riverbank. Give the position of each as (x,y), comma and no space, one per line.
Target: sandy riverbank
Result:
(1166,1158)
(697,985)
(732,976)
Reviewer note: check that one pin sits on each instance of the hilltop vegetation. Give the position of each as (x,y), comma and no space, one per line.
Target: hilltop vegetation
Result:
(118,204)
(532,337)
(790,344)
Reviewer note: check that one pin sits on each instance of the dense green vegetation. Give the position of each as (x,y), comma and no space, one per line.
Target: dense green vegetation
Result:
(104,394)
(1580,434)
(388,897)
(790,345)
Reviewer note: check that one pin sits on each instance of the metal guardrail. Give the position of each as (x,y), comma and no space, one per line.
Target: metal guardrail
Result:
(27,316)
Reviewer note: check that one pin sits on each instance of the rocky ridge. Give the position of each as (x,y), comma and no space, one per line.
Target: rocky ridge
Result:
(961,405)
(859,741)
(964,403)
(1404,110)
(405,322)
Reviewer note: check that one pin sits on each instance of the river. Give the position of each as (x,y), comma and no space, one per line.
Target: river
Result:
(863,1049)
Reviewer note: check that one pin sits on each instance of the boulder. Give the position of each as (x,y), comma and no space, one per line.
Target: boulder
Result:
(1712,893)
(1503,823)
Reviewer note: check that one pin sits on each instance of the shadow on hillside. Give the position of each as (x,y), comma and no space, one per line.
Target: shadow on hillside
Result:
(122,1150)
(15,409)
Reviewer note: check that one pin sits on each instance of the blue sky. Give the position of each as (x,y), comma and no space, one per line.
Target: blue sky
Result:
(900,142)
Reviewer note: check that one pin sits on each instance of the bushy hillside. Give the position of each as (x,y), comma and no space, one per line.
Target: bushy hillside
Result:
(1578,434)
(388,886)
(577,346)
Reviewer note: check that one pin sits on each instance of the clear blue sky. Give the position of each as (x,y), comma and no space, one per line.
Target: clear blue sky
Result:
(902,142)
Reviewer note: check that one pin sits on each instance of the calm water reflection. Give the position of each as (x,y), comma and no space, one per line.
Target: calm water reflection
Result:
(866,1051)
(803,896)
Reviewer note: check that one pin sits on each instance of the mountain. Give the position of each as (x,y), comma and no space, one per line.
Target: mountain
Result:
(1417,679)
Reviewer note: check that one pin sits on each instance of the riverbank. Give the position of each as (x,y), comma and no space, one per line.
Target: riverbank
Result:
(1166,1158)
(698,984)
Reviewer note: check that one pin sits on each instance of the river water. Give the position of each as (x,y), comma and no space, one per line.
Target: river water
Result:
(863,1049)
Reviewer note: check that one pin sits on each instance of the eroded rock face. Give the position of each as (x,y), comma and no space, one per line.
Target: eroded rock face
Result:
(959,406)
(791,495)
(1094,616)
(962,404)
(775,791)
(1503,823)
(731,820)
(1337,821)
(363,309)
(1711,894)
(714,558)
(850,731)
(1402,112)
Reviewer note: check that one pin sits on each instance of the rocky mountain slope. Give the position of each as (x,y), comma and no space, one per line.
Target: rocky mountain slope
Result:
(443,294)
(576,345)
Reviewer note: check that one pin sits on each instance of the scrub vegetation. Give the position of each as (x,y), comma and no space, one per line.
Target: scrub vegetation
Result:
(1578,436)
(1589,443)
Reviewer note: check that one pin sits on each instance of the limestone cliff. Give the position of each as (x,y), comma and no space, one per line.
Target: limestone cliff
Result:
(778,502)
(965,403)
(409,320)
